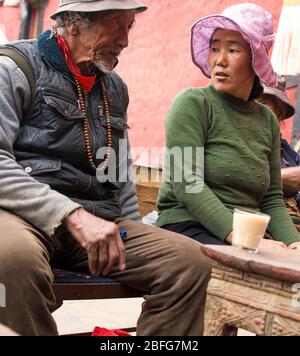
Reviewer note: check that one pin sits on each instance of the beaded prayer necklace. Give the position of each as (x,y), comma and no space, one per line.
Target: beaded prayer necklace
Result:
(86,126)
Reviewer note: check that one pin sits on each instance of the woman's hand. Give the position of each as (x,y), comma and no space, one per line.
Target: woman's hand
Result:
(272,244)
(295,246)
(100,238)
(263,243)
(229,238)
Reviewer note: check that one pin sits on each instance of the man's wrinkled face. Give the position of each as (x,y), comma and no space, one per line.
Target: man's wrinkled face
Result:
(107,37)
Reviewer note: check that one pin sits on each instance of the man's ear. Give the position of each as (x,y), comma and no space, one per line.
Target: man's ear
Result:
(73,29)
(71,26)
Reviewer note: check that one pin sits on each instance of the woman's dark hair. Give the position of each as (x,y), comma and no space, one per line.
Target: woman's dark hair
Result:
(257,89)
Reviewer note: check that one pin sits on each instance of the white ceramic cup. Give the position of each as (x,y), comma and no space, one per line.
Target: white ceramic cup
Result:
(249,228)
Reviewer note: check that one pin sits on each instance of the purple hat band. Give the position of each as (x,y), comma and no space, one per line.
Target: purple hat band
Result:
(203,30)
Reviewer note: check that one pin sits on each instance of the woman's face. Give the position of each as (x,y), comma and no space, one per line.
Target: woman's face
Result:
(230,61)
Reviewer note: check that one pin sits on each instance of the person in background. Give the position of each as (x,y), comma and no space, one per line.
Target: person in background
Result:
(240,137)
(276,99)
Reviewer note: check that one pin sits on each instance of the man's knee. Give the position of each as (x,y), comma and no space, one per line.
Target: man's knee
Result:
(21,259)
(21,251)
(190,261)
(25,274)
(183,263)
(26,279)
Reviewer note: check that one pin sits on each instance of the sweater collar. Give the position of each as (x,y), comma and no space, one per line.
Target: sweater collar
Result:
(233,101)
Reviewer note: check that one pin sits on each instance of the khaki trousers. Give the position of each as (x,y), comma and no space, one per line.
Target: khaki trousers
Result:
(169,268)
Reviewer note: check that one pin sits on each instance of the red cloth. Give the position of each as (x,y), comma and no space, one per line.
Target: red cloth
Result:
(105,332)
(86,83)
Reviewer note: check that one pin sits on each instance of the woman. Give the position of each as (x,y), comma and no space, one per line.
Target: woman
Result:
(278,102)
(241,137)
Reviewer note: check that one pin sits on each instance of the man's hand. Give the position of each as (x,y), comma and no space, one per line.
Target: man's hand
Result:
(100,238)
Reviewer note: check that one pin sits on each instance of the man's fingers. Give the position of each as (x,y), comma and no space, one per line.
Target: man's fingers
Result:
(122,256)
(113,257)
(93,259)
(102,259)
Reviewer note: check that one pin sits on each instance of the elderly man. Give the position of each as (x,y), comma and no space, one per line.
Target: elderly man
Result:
(56,208)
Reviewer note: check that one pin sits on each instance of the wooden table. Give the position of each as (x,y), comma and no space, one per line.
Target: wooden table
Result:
(257,293)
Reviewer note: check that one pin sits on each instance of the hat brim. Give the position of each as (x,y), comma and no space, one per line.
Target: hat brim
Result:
(99,6)
(202,32)
(280,95)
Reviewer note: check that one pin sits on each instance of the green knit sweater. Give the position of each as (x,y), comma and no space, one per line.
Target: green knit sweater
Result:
(241,143)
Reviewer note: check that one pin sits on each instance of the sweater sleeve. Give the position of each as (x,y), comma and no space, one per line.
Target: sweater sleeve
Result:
(20,193)
(281,226)
(187,127)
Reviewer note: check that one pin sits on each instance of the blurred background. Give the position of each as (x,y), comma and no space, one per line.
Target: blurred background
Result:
(157,64)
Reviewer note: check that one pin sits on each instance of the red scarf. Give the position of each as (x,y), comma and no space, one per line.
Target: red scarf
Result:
(106,332)
(86,83)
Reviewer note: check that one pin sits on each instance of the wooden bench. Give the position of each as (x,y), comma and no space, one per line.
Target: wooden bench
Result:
(78,286)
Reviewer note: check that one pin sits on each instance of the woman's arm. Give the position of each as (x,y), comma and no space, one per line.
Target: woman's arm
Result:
(281,226)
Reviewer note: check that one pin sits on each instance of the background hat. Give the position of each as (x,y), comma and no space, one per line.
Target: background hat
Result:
(98,6)
(256,26)
(280,94)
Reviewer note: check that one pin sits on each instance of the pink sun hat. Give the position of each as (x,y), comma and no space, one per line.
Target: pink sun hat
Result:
(256,26)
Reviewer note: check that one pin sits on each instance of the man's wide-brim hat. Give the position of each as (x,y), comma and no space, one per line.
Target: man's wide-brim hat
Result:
(98,6)
(279,94)
(255,25)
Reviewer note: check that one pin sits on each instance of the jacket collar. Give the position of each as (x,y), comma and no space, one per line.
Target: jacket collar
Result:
(48,49)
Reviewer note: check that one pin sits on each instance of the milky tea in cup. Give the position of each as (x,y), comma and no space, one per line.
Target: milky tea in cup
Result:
(249,227)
